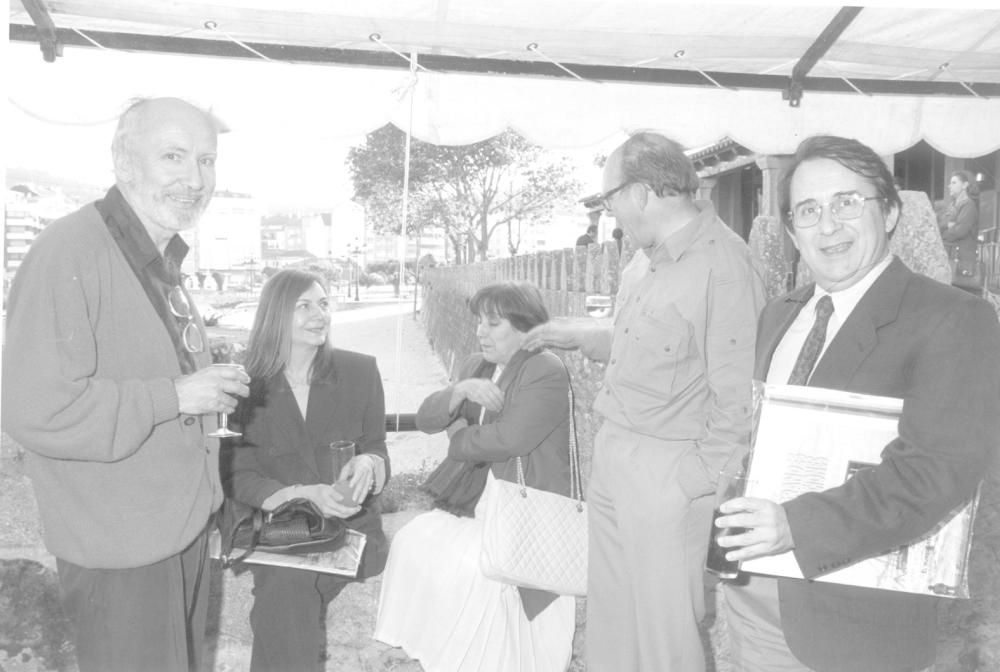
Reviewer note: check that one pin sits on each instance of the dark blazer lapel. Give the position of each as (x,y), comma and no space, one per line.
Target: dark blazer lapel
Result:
(507,377)
(291,431)
(321,412)
(772,329)
(857,337)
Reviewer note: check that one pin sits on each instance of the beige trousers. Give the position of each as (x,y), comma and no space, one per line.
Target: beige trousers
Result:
(648,543)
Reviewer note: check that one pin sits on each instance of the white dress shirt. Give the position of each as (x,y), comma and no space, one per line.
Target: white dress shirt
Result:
(844,301)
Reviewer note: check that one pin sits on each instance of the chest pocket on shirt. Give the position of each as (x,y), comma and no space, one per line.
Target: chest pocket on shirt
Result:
(659,351)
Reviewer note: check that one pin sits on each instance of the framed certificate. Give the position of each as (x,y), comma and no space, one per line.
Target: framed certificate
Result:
(809,439)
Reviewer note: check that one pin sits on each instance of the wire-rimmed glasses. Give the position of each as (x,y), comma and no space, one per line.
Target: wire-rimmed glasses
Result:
(843,207)
(180,307)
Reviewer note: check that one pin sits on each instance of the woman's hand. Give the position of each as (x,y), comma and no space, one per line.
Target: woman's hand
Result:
(453,428)
(330,502)
(359,476)
(477,390)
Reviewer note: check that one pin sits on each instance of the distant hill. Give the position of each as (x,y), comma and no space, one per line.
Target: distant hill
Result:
(71,188)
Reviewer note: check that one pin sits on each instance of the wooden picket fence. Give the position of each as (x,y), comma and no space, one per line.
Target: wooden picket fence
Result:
(565,277)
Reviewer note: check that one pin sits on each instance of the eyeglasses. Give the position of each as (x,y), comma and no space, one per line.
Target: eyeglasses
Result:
(181,308)
(842,207)
(605,198)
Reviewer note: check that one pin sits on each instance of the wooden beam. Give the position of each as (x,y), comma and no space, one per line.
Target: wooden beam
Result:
(816,50)
(442,63)
(47,39)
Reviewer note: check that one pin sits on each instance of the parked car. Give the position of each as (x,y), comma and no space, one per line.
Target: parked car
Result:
(239,316)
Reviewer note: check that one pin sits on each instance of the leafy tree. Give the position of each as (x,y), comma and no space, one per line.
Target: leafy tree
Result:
(469,191)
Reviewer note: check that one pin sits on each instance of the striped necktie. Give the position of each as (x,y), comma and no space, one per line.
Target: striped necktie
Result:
(813,344)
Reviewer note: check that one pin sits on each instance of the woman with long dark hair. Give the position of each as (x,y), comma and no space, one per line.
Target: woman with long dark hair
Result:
(305,394)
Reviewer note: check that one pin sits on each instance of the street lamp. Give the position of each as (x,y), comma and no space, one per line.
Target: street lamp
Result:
(347,283)
(357,271)
(250,263)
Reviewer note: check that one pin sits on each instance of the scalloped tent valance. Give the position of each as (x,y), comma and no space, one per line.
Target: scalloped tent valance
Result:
(944,65)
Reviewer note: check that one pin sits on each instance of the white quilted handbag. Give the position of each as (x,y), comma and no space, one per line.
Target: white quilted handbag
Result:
(537,539)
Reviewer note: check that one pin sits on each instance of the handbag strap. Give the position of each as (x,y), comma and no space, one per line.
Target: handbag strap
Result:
(258,524)
(575,475)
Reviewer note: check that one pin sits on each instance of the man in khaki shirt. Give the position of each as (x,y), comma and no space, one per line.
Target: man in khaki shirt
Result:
(676,406)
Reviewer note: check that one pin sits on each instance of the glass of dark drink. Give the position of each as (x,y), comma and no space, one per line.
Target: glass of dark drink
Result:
(732,484)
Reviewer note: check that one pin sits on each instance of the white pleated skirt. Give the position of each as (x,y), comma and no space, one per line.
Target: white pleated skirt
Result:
(437,606)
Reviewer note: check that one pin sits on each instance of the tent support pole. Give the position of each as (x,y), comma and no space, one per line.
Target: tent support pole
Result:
(404,215)
(444,63)
(47,39)
(833,30)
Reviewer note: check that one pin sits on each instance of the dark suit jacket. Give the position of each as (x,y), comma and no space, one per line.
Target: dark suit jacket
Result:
(533,424)
(938,349)
(279,449)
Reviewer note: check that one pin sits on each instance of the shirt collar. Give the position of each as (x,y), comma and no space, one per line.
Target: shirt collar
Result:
(681,240)
(125,225)
(845,300)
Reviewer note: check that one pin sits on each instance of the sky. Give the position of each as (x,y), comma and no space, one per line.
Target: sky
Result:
(291,124)
(61,117)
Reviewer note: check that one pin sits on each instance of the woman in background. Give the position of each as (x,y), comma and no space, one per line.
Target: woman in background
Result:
(304,395)
(435,602)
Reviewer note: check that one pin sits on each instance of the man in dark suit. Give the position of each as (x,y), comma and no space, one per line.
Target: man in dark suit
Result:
(873,327)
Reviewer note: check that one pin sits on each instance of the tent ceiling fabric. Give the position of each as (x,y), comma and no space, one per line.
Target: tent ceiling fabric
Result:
(886,43)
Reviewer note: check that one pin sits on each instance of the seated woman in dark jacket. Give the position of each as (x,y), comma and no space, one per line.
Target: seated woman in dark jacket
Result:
(435,603)
(305,394)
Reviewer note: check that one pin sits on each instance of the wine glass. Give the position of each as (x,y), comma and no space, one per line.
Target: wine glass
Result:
(222,356)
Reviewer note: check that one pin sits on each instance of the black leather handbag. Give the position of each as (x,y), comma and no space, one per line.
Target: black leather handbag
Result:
(297,526)
(967,275)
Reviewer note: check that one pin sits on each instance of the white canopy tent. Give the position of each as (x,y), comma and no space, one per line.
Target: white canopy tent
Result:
(576,73)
